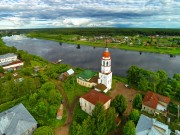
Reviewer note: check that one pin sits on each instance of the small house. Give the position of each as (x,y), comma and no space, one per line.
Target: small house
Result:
(150,126)
(155,103)
(17,121)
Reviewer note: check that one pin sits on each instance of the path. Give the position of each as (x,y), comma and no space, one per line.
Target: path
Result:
(128,93)
(64,130)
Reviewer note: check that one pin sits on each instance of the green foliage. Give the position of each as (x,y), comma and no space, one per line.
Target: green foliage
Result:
(139,37)
(14,89)
(44,103)
(44,130)
(54,71)
(72,89)
(120,104)
(129,128)
(5,49)
(79,115)
(137,102)
(98,114)
(154,81)
(134,116)
(1,70)
(100,123)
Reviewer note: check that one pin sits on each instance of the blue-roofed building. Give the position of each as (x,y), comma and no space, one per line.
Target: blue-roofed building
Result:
(150,126)
(17,121)
(10,62)
(7,58)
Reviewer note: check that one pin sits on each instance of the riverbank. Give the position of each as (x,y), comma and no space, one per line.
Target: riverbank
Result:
(141,48)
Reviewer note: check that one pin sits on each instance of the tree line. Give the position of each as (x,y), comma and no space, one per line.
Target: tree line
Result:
(109,31)
(158,82)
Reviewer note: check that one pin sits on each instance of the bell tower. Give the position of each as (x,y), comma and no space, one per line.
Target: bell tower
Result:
(105,76)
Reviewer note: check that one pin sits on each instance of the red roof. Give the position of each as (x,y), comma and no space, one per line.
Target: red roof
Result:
(151,99)
(95,97)
(106,53)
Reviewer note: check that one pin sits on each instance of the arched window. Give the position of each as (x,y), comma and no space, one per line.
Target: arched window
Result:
(103,63)
(107,63)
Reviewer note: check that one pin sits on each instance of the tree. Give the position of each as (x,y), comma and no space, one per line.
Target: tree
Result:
(1,70)
(137,101)
(154,80)
(134,116)
(120,104)
(88,126)
(177,77)
(133,73)
(76,128)
(44,130)
(143,84)
(99,116)
(111,119)
(129,128)
(162,75)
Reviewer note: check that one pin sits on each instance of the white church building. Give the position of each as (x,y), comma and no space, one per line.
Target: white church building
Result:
(101,82)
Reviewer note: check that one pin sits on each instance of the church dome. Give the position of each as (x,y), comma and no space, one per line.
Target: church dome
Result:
(106,53)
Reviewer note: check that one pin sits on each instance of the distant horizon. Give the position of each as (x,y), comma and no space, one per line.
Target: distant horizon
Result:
(38,14)
(85,28)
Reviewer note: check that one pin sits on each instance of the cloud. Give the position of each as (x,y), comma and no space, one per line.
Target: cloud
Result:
(104,13)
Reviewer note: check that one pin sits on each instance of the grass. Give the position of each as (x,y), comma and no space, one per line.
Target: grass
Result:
(73,90)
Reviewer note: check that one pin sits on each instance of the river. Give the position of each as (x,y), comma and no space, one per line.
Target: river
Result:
(90,58)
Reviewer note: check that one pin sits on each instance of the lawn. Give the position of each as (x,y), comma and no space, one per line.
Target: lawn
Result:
(73,90)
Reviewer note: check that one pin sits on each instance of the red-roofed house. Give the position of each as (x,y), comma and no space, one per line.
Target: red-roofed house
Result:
(90,99)
(155,103)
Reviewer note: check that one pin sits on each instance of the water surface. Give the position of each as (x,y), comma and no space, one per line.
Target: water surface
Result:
(90,58)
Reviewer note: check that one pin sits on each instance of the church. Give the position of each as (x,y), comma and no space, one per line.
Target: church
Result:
(102,81)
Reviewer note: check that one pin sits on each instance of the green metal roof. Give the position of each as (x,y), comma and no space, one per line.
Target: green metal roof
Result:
(86,75)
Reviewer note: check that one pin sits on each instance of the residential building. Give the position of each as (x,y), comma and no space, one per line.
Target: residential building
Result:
(87,78)
(155,103)
(9,57)
(150,126)
(10,61)
(17,121)
(90,99)
(13,65)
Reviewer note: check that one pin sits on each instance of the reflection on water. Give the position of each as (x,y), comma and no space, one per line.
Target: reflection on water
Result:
(78,46)
(90,57)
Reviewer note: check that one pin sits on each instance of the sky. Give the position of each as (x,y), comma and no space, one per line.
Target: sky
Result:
(17,14)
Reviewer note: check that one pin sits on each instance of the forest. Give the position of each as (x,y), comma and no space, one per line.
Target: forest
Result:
(158,82)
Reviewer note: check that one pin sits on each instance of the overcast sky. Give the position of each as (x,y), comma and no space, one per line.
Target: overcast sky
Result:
(89,13)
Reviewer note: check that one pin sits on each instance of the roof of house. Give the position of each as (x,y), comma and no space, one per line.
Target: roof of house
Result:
(85,75)
(95,97)
(16,120)
(150,126)
(70,71)
(13,63)
(100,86)
(94,79)
(7,55)
(151,99)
